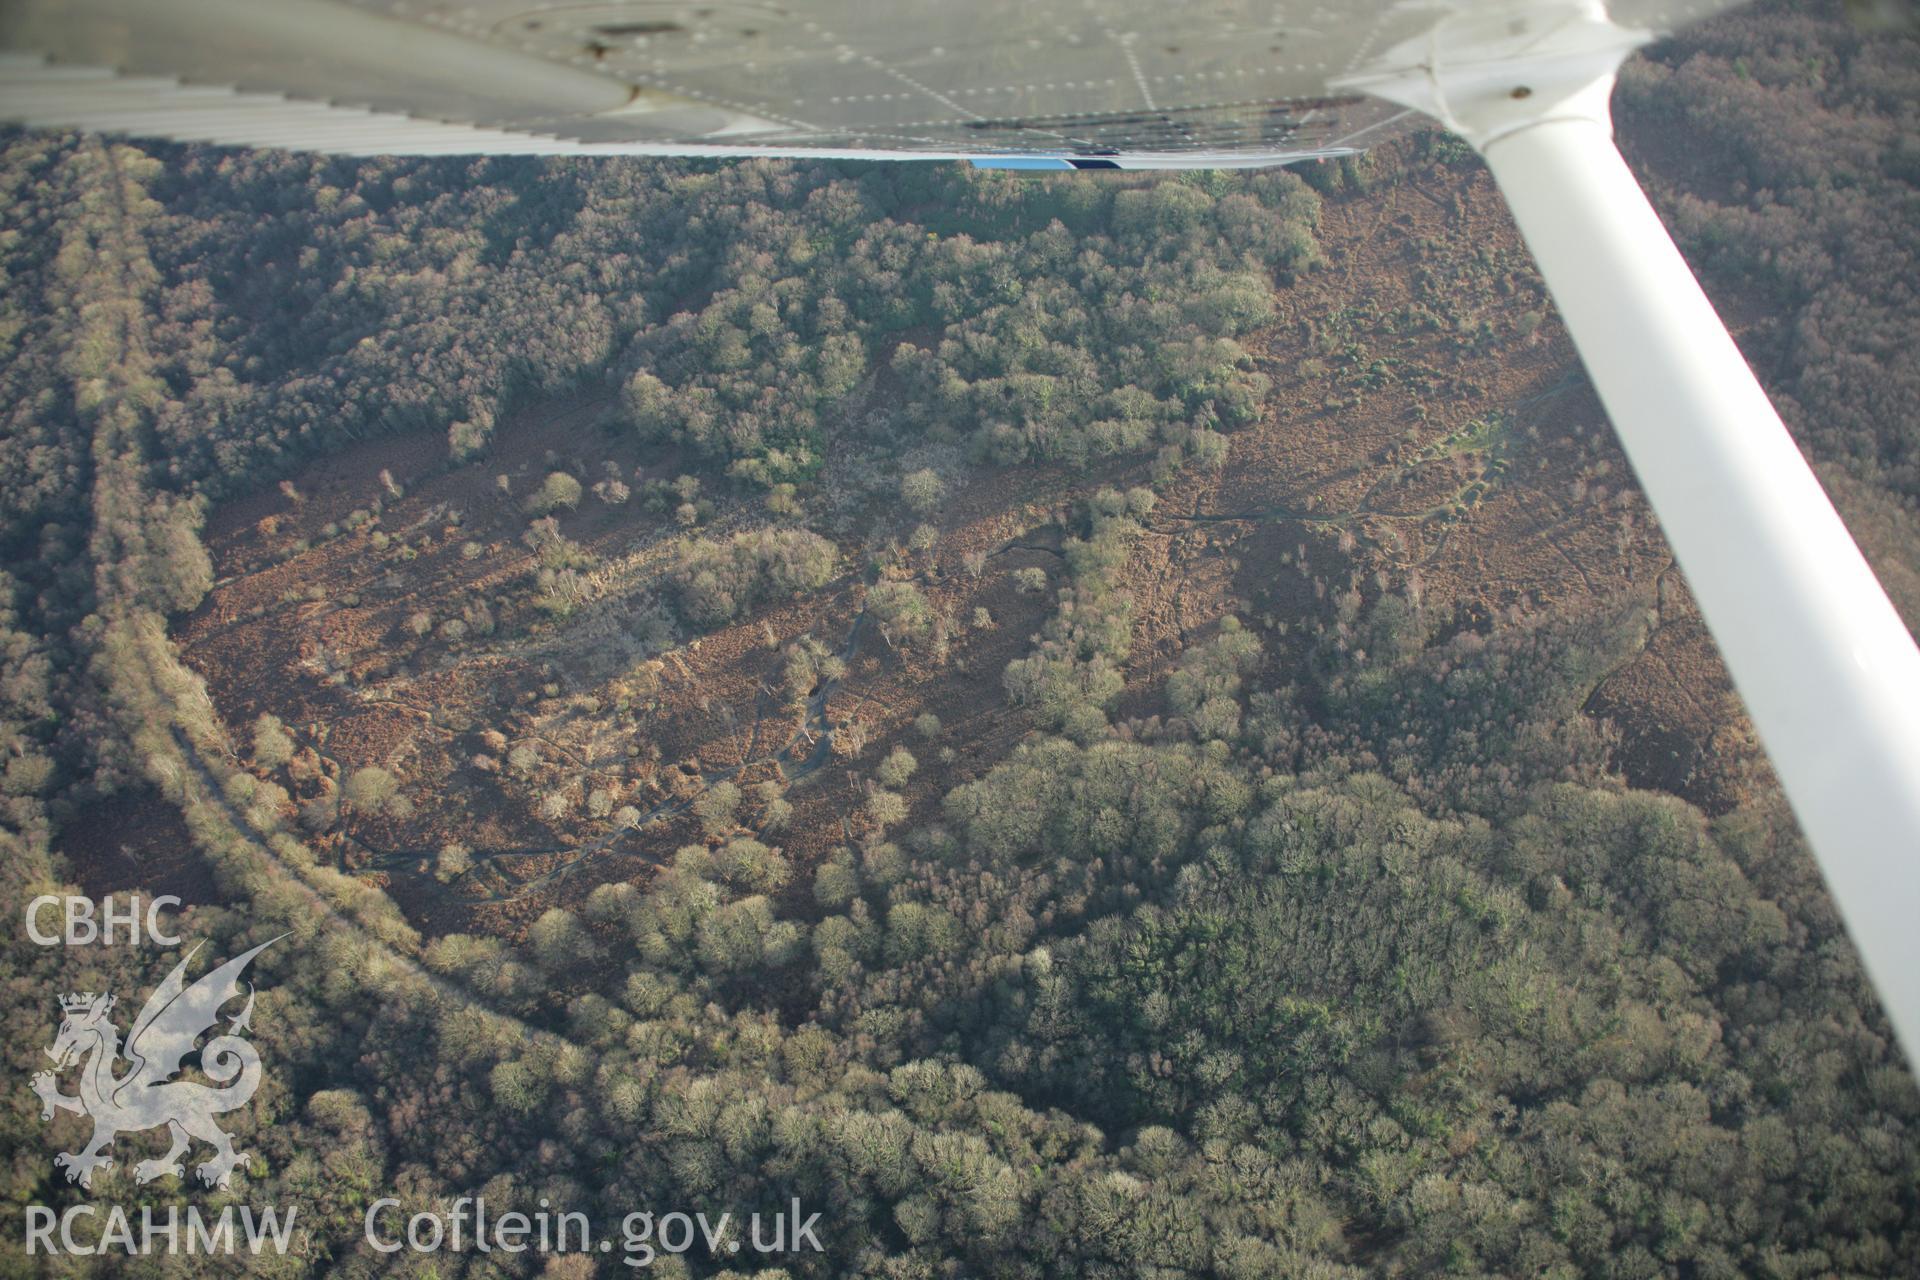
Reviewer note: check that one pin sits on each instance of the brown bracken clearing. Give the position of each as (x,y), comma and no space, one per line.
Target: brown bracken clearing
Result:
(1428,429)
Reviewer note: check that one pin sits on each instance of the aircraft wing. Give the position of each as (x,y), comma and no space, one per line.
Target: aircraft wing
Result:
(1042,84)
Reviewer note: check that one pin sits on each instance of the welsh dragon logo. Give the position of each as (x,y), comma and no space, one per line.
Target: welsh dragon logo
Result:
(147,1096)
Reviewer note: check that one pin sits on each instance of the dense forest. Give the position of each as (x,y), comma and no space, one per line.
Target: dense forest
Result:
(1339,947)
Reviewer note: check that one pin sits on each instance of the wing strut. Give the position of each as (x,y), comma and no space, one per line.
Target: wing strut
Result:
(1827,669)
